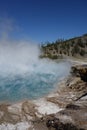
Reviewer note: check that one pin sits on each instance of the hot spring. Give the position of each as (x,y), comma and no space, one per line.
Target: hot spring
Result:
(23,75)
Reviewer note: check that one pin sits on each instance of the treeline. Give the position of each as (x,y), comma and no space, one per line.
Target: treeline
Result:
(73,47)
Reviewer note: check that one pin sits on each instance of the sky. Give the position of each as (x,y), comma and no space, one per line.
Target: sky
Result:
(43,20)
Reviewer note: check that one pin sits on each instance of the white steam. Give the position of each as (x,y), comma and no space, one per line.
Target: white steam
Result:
(22,74)
(17,57)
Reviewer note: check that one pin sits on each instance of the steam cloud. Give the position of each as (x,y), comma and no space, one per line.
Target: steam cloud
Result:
(17,57)
(23,75)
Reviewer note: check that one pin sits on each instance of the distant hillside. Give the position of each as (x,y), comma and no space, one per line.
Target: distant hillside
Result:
(75,47)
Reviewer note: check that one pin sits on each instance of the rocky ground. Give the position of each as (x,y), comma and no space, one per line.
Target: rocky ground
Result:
(65,109)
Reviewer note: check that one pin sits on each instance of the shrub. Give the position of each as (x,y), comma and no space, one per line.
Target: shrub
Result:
(67,47)
(72,43)
(52,56)
(80,43)
(82,52)
(76,49)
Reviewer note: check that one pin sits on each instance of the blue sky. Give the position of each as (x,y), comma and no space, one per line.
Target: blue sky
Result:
(45,20)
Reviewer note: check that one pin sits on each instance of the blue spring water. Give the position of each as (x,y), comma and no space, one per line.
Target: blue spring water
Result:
(34,84)
(23,75)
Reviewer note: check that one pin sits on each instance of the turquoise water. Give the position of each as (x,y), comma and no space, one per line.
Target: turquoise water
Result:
(23,75)
(33,84)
